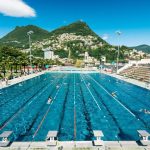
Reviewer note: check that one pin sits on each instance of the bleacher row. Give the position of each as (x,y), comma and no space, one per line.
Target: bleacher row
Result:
(141,73)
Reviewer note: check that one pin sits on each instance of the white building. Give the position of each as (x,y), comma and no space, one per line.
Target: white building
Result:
(103,58)
(86,57)
(48,54)
(88,60)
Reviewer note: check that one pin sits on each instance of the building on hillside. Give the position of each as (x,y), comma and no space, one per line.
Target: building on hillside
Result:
(48,54)
(89,61)
(103,59)
(86,57)
(135,54)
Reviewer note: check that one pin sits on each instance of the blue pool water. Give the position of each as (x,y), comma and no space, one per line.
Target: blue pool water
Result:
(80,104)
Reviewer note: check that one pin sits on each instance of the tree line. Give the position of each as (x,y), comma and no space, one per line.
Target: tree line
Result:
(13,62)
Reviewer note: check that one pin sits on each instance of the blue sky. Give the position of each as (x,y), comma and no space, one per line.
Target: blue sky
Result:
(131,17)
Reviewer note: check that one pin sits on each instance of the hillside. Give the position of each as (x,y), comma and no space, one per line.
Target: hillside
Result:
(145,48)
(76,38)
(18,37)
(78,27)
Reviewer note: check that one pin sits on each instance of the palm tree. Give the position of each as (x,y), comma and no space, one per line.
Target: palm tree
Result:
(4,66)
(41,63)
(35,62)
(10,64)
(25,62)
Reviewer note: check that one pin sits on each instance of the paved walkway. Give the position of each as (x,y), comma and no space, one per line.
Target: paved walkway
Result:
(79,145)
(132,81)
(19,79)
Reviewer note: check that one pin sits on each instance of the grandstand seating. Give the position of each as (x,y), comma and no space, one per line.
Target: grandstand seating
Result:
(140,72)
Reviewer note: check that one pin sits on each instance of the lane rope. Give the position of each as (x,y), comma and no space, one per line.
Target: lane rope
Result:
(112,96)
(91,93)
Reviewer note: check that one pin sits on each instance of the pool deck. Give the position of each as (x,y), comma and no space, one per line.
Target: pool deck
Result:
(19,79)
(75,71)
(71,145)
(129,80)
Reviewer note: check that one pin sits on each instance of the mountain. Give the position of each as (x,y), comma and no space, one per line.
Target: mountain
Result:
(70,40)
(18,37)
(78,27)
(145,48)
(76,37)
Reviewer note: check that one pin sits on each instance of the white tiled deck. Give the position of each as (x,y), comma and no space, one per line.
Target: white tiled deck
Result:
(70,145)
(19,79)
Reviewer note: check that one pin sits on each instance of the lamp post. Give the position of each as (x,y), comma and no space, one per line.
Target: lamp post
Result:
(100,58)
(118,34)
(29,34)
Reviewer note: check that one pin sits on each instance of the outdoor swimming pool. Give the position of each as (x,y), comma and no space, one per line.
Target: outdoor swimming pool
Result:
(80,104)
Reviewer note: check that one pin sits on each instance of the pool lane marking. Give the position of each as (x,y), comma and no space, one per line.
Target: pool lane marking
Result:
(18,112)
(91,93)
(22,109)
(74,91)
(45,115)
(41,121)
(112,96)
(74,110)
(24,90)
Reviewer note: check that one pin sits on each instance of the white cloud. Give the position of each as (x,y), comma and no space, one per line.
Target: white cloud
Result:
(16,8)
(105,36)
